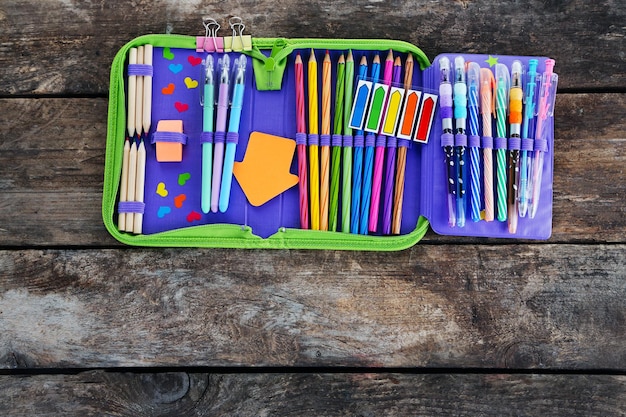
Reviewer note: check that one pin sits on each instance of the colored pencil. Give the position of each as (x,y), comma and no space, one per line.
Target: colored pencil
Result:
(347,146)
(390,168)
(314,176)
(301,145)
(401,160)
(357,173)
(336,145)
(325,143)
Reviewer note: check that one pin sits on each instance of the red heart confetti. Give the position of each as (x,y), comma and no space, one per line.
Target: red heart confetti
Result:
(181,107)
(168,90)
(194,215)
(179,199)
(194,60)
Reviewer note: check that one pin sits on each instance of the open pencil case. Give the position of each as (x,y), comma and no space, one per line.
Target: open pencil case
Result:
(171,210)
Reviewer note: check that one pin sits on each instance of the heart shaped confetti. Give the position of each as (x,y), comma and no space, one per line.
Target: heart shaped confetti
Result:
(179,200)
(169,90)
(181,107)
(161,190)
(175,68)
(183,178)
(194,215)
(190,83)
(167,54)
(194,60)
(163,211)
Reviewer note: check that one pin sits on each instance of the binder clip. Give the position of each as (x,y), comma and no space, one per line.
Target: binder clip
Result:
(210,42)
(238,42)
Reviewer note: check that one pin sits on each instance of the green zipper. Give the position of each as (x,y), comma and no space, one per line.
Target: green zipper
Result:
(229,235)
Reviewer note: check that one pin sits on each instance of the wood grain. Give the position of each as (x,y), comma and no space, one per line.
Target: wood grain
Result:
(61,47)
(509,307)
(52,169)
(322,395)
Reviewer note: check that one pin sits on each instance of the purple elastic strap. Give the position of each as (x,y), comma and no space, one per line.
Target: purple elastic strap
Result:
(392,142)
(445,112)
(541,145)
(500,143)
(474,141)
(336,140)
(300,138)
(447,139)
(359,141)
(515,144)
(175,137)
(206,137)
(131,207)
(232,137)
(348,140)
(528,144)
(370,139)
(403,143)
(219,137)
(381,141)
(487,142)
(314,139)
(140,69)
(325,140)
(460,140)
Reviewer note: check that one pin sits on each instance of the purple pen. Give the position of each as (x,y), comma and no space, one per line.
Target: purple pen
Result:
(220,130)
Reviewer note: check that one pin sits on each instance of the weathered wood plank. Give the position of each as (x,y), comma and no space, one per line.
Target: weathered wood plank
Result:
(512,306)
(64,47)
(52,164)
(386,394)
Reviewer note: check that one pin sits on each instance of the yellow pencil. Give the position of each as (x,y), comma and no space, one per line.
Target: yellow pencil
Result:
(325,147)
(314,180)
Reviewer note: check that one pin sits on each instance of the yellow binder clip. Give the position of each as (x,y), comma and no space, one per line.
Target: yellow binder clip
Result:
(238,42)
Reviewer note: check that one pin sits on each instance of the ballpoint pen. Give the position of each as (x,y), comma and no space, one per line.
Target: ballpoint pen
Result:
(515,121)
(460,138)
(503,82)
(487,83)
(208,106)
(545,110)
(447,138)
(239,71)
(473,81)
(528,134)
(220,129)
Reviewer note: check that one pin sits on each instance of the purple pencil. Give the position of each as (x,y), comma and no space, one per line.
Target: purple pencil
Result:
(390,168)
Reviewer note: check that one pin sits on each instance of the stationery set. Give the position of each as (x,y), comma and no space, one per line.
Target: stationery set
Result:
(241,142)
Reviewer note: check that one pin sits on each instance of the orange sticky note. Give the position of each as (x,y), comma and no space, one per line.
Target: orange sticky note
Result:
(264,172)
(169,151)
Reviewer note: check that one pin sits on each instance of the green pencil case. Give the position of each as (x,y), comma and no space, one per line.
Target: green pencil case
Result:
(171,209)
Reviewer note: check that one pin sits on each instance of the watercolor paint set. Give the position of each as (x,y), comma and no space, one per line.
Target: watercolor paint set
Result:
(324,143)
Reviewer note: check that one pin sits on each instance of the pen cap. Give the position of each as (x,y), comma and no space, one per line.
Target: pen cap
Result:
(238,74)
(208,75)
(473,82)
(487,98)
(503,83)
(460,89)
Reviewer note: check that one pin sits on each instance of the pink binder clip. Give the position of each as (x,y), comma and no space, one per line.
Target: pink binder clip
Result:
(210,42)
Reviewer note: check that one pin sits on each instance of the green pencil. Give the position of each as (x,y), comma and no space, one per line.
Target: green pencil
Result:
(336,152)
(347,148)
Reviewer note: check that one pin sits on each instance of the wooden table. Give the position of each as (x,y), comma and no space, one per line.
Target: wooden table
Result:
(451,326)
